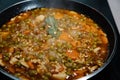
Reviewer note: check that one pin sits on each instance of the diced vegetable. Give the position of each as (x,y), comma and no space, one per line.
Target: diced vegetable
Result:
(2,63)
(30,64)
(39,18)
(60,76)
(4,34)
(22,61)
(72,54)
(13,60)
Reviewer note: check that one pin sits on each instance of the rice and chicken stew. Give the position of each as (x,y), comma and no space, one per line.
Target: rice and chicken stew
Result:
(52,44)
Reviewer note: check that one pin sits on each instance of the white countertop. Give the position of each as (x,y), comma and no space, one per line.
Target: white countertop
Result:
(115,8)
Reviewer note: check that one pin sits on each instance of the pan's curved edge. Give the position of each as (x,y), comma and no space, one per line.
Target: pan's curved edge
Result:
(90,75)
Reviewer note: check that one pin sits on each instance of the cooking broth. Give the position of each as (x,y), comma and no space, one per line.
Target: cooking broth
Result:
(52,44)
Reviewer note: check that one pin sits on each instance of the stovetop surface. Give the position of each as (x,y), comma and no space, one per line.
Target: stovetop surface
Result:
(112,72)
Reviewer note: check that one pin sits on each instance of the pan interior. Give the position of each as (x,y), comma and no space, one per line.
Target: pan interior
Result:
(69,5)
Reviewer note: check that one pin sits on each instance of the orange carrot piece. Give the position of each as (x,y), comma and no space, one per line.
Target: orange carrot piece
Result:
(75,43)
(23,16)
(80,73)
(26,32)
(11,69)
(1,55)
(72,54)
(61,68)
(74,14)
(30,64)
(18,69)
(65,36)
(31,25)
(93,29)
(104,39)
(58,16)
(11,49)
(4,34)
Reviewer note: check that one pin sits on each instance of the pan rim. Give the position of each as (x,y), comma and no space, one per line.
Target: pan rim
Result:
(107,62)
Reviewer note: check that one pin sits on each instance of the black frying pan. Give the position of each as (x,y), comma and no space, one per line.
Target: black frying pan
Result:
(23,6)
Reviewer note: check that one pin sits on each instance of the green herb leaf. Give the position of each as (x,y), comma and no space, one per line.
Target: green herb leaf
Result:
(53,26)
